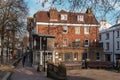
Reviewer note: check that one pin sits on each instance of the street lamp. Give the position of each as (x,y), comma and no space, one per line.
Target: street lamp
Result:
(44,44)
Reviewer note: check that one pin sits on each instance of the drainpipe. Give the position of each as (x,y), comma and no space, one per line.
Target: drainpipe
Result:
(113,49)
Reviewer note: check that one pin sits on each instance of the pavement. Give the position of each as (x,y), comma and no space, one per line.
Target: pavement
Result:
(28,73)
(93,74)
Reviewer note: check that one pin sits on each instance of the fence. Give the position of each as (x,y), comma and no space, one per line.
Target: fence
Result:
(56,72)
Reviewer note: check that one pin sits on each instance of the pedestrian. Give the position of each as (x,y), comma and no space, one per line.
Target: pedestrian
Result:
(86,66)
(23,60)
(118,65)
(38,67)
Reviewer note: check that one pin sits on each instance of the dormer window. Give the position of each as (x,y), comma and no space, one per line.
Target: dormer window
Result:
(80,18)
(63,16)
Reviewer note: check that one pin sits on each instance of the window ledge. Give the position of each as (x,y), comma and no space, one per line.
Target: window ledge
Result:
(117,49)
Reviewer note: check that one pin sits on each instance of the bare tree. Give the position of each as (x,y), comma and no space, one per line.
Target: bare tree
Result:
(12,17)
(102,9)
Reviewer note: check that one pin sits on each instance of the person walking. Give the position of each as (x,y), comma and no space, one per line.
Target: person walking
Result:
(23,60)
(118,65)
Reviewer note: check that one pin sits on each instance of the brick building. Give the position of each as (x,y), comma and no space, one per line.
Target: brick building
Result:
(75,34)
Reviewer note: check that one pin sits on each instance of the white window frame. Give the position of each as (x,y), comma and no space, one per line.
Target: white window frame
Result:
(77,30)
(86,45)
(75,56)
(64,16)
(65,28)
(86,30)
(60,56)
(80,18)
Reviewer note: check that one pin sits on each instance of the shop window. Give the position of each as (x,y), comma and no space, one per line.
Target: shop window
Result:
(68,56)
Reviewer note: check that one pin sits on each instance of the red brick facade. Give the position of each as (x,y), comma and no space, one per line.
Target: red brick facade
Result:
(68,43)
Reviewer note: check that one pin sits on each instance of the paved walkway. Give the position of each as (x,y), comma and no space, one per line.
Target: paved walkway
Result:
(28,73)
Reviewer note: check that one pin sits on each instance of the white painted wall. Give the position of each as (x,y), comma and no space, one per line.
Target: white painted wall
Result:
(112,41)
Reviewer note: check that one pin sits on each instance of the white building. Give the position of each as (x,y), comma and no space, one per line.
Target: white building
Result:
(110,39)
(104,25)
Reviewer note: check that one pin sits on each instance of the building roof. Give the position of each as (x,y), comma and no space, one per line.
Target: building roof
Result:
(112,28)
(104,25)
(44,16)
(116,25)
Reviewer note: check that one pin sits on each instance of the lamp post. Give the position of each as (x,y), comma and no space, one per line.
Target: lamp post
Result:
(44,44)
(30,45)
(44,60)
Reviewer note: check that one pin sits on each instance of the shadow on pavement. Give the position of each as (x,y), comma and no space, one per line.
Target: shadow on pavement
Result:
(78,78)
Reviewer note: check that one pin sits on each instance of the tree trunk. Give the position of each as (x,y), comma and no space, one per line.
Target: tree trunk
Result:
(2,44)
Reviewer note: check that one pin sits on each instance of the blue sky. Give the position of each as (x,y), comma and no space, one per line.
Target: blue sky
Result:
(35,5)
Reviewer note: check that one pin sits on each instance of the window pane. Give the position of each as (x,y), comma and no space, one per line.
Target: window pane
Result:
(107,36)
(77,30)
(60,56)
(118,45)
(80,18)
(76,56)
(118,33)
(63,16)
(107,46)
(86,30)
(97,56)
(100,37)
(68,56)
(86,42)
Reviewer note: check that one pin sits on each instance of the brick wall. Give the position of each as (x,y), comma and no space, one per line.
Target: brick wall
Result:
(71,36)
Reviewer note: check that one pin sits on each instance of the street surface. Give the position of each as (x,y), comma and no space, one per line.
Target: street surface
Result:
(93,74)
(28,73)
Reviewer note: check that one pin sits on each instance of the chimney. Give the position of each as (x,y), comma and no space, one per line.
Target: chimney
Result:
(89,10)
(53,14)
(103,21)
